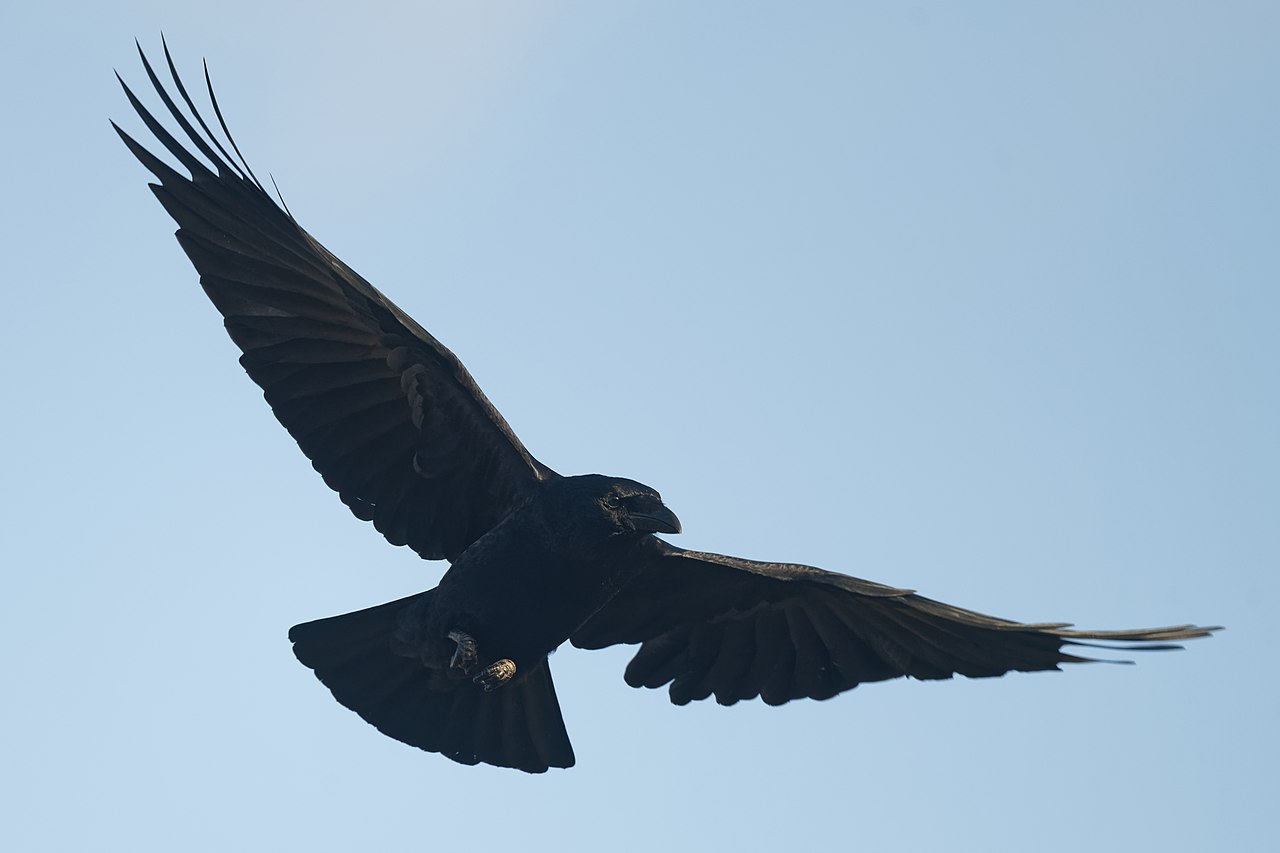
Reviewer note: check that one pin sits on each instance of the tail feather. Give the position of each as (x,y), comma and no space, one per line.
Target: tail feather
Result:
(518,725)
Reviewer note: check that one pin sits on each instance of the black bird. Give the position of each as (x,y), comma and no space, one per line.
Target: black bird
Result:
(399,429)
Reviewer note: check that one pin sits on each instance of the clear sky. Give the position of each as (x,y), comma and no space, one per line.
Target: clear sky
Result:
(981,299)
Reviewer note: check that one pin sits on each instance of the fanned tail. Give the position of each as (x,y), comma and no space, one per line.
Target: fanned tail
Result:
(518,725)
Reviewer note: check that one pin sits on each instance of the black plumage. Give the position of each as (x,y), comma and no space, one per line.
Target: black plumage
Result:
(396,426)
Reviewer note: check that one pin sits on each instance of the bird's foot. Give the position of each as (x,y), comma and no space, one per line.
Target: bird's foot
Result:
(464,656)
(496,674)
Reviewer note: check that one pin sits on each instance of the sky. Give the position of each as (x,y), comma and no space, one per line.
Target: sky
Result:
(979,299)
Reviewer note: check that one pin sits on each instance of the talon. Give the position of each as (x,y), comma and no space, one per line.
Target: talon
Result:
(496,674)
(464,657)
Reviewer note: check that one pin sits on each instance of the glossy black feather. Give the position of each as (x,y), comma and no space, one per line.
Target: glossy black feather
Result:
(810,633)
(365,391)
(519,726)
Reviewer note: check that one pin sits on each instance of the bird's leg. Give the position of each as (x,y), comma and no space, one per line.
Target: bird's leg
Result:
(496,674)
(464,657)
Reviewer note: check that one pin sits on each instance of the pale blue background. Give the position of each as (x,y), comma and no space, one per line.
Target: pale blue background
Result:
(977,298)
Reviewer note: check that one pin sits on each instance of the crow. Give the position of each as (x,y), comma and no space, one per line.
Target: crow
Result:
(395,425)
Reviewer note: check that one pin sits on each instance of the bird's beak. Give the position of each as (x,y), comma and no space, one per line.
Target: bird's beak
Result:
(658,519)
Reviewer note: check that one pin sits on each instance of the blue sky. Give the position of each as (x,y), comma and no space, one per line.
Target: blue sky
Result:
(979,299)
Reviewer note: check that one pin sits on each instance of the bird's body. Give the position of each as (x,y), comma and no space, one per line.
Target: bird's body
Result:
(516,594)
(396,425)
(570,571)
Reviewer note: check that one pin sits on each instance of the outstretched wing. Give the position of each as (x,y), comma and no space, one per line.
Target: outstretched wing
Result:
(737,629)
(387,414)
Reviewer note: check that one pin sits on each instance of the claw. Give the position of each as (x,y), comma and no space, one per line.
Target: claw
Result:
(464,657)
(496,674)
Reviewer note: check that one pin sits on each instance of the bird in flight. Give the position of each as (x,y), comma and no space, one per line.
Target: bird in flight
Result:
(395,424)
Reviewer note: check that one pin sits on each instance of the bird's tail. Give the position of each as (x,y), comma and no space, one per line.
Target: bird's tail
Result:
(517,725)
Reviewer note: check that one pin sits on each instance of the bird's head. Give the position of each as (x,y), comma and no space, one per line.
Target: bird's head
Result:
(618,506)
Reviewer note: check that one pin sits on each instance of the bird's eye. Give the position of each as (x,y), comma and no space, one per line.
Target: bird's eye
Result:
(613,501)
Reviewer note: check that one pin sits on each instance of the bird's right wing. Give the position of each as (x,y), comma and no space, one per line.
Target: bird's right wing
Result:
(389,417)
(737,629)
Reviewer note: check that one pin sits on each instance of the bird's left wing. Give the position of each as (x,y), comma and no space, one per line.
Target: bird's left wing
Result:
(387,414)
(737,629)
